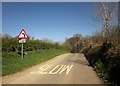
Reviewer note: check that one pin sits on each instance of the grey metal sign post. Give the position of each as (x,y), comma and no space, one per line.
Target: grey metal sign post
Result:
(22,41)
(22,51)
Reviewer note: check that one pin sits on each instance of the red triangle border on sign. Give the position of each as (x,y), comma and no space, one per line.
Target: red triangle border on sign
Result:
(23,37)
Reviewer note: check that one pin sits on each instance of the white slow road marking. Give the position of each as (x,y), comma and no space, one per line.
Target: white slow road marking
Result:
(58,69)
(66,67)
(51,72)
(41,70)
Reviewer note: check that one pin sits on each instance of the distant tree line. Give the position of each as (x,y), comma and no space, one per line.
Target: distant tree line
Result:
(74,43)
(77,42)
(11,44)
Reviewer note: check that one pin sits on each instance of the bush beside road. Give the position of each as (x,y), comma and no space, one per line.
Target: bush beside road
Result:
(105,62)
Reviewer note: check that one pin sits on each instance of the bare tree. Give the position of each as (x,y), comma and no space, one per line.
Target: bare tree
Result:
(106,14)
(78,38)
(6,36)
(74,43)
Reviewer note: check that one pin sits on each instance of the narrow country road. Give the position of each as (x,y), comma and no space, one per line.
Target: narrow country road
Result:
(64,69)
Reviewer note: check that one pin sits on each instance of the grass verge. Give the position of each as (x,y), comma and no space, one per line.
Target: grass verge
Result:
(12,62)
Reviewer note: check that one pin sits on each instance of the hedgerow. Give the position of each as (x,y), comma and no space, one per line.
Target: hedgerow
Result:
(12,45)
(104,56)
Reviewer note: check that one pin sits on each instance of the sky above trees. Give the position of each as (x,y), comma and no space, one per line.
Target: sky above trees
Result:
(52,20)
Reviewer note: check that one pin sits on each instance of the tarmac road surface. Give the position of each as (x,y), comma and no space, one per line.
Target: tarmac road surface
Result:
(64,69)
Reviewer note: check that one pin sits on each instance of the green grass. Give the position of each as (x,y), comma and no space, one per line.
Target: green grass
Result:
(12,62)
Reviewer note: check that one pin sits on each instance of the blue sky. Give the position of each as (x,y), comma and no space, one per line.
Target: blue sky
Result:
(55,21)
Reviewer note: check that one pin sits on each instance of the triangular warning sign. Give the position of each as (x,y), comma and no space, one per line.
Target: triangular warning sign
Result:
(23,35)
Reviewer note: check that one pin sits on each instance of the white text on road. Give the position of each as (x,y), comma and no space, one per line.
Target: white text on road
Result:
(58,69)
